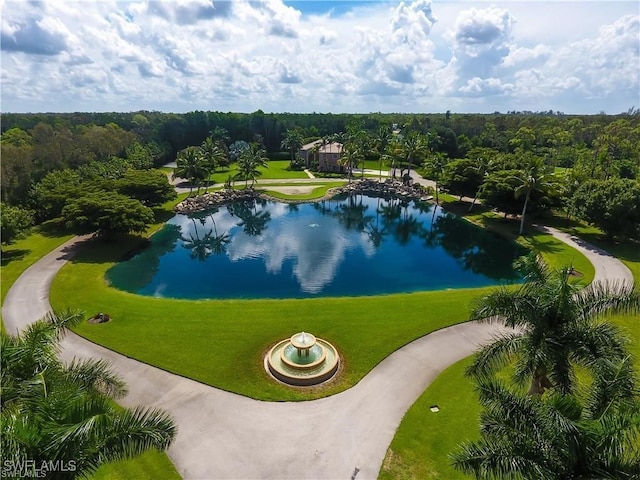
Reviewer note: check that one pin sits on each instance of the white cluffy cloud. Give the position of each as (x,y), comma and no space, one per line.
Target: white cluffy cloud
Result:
(244,55)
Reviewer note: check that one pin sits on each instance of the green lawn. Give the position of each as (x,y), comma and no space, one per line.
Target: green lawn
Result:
(316,193)
(375,165)
(182,336)
(276,169)
(152,465)
(424,440)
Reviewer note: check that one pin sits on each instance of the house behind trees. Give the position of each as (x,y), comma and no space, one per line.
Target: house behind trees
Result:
(323,155)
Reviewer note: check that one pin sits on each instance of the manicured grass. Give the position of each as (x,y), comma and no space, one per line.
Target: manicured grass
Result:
(557,254)
(424,439)
(222,343)
(182,336)
(16,259)
(152,465)
(280,169)
(375,165)
(316,193)
(276,169)
(423,442)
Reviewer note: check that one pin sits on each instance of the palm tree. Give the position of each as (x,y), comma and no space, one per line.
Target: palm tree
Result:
(212,156)
(535,176)
(292,142)
(249,162)
(381,140)
(354,148)
(436,165)
(190,165)
(221,138)
(561,436)
(484,167)
(65,414)
(556,327)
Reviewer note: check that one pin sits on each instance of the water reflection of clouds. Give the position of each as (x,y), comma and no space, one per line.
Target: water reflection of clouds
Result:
(316,252)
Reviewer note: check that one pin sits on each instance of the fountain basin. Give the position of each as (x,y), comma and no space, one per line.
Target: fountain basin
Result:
(281,363)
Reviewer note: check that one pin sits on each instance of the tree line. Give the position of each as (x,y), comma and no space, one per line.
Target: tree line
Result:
(479,156)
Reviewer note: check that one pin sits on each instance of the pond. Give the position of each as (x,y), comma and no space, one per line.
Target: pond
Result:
(347,246)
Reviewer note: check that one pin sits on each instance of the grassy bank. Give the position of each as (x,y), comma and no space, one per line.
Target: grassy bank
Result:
(424,440)
(229,337)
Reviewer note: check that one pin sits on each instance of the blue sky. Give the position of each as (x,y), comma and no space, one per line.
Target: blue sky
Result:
(314,7)
(313,56)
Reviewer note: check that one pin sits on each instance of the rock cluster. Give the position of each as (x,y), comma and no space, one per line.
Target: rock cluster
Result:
(213,199)
(388,187)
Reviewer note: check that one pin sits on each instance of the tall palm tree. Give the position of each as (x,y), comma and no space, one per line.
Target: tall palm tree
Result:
(559,437)
(212,155)
(64,414)
(292,141)
(222,139)
(436,165)
(381,140)
(535,176)
(557,327)
(249,162)
(414,147)
(191,165)
(484,166)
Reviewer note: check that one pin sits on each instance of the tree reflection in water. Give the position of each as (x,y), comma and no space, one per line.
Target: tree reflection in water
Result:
(356,245)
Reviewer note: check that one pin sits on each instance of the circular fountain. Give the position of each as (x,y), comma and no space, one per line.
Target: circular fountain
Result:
(303,359)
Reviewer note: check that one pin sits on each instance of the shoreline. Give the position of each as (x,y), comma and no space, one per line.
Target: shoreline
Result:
(208,200)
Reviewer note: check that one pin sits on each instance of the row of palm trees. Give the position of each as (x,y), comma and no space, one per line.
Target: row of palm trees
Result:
(197,164)
(572,407)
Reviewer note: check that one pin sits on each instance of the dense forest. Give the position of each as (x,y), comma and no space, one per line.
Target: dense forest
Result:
(52,162)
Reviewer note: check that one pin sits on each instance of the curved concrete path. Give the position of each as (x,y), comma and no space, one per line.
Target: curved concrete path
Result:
(226,436)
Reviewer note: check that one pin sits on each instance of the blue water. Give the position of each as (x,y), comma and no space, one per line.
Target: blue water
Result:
(347,246)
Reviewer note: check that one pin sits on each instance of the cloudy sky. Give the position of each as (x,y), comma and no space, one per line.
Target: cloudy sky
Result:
(320,56)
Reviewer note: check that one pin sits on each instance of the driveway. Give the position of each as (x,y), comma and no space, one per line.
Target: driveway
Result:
(227,436)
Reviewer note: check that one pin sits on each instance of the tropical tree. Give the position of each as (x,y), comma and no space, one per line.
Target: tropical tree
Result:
(212,155)
(106,214)
(354,147)
(15,222)
(292,141)
(435,166)
(484,165)
(557,327)
(561,436)
(535,176)
(498,191)
(460,178)
(191,165)
(612,205)
(60,420)
(249,164)
(381,140)
(414,146)
(150,187)
(236,149)
(221,138)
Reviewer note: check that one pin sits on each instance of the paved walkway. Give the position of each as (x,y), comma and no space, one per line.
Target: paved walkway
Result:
(226,436)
